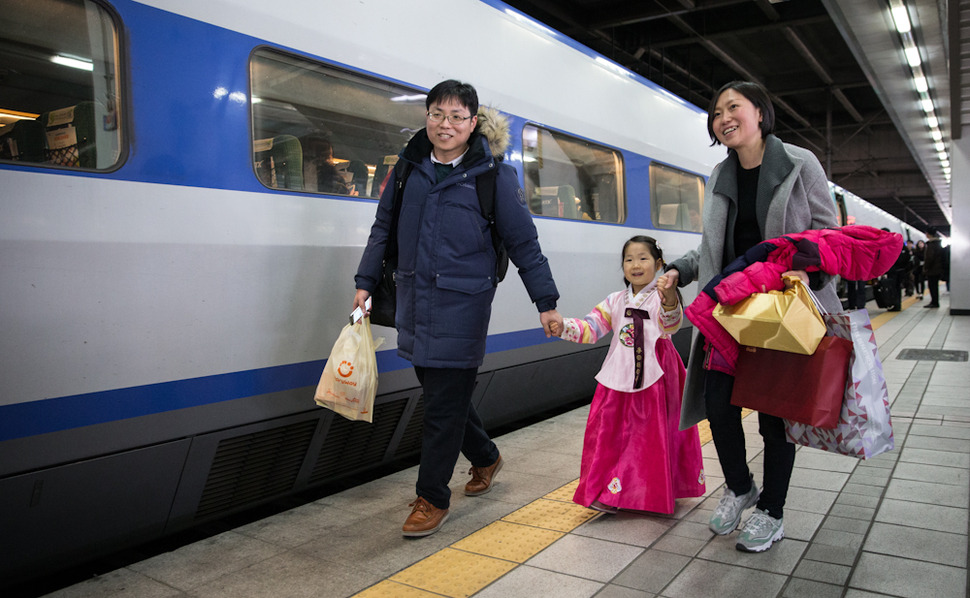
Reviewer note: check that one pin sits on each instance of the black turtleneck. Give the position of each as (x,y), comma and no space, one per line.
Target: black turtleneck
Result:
(747,233)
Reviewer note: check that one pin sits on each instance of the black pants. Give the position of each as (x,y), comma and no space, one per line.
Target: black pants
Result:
(451,425)
(725,420)
(934,283)
(894,280)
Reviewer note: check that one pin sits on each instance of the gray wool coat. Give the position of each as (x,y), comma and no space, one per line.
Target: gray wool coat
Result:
(793,196)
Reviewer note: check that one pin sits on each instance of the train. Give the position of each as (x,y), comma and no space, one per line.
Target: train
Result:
(852,209)
(187,190)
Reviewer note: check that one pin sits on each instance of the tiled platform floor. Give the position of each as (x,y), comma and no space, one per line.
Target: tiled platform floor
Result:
(896,525)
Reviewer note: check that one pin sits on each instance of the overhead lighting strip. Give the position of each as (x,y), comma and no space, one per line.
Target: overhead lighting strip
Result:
(911,54)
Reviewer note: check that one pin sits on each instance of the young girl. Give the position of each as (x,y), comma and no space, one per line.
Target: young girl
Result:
(634,455)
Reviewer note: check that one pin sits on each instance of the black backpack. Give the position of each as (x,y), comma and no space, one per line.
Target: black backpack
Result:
(484,185)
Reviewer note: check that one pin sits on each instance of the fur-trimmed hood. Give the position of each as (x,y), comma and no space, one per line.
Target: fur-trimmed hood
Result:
(494,126)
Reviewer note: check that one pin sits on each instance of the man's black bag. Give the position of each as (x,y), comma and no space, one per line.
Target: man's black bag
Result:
(384,297)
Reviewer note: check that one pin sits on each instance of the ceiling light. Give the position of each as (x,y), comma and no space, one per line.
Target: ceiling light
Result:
(927,105)
(921,85)
(901,18)
(912,55)
(17,115)
(73,62)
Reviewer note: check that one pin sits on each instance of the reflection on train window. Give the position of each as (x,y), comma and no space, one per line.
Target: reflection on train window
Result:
(321,129)
(567,177)
(676,198)
(59,93)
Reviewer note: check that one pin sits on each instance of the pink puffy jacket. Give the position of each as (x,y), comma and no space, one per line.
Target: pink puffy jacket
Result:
(854,252)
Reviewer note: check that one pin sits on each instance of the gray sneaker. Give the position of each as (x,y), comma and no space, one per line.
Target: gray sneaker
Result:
(727,515)
(760,531)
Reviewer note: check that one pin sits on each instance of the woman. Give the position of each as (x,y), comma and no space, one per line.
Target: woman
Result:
(763,189)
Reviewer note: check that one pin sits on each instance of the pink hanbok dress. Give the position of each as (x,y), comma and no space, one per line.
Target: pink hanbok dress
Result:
(634,454)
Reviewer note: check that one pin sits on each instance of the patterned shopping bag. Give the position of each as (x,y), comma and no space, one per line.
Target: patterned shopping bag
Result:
(864,429)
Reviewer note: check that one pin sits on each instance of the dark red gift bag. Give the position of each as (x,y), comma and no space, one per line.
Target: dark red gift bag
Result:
(804,388)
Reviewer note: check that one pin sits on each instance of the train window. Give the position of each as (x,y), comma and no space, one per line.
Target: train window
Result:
(59,88)
(567,177)
(322,129)
(676,198)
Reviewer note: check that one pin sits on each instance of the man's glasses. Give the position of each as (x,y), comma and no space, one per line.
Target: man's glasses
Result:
(437,117)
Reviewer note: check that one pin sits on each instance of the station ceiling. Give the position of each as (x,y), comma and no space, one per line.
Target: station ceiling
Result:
(834,69)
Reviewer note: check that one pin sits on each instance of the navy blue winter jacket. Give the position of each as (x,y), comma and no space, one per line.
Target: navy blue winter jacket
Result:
(446,262)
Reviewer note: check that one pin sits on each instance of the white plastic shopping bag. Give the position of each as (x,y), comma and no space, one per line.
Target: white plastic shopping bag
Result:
(348,384)
(864,429)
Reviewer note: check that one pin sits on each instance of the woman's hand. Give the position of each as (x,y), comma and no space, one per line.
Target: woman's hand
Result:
(799,273)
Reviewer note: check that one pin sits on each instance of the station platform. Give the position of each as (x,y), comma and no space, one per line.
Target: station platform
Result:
(895,525)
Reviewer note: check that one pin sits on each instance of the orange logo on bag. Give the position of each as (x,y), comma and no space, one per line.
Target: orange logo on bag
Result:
(345,372)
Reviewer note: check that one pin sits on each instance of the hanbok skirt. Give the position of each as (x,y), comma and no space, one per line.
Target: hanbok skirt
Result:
(634,454)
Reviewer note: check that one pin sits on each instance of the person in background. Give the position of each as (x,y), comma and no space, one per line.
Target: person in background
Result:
(319,171)
(919,278)
(634,456)
(933,265)
(895,277)
(763,189)
(908,286)
(446,281)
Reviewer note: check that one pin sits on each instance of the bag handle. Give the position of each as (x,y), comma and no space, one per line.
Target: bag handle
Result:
(795,280)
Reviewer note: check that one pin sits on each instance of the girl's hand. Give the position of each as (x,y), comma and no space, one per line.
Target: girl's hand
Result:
(555,328)
(549,319)
(671,277)
(668,296)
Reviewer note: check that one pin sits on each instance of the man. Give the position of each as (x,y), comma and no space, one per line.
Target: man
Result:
(445,285)
(933,257)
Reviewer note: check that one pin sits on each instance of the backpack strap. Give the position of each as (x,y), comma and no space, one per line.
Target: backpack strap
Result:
(485,186)
(402,170)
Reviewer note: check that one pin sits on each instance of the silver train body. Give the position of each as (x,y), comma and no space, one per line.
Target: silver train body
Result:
(167,304)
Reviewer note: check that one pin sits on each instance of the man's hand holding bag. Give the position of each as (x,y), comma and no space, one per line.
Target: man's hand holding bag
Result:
(348,384)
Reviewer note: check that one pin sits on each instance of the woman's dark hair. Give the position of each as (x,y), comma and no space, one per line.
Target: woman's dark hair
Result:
(451,89)
(650,242)
(756,94)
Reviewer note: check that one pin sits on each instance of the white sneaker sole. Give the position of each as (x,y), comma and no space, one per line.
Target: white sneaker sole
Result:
(778,537)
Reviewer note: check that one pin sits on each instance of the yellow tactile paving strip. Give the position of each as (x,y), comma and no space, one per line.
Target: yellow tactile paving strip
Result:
(509,541)
(474,562)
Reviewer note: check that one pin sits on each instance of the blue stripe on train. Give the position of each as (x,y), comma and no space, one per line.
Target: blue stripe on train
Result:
(63,413)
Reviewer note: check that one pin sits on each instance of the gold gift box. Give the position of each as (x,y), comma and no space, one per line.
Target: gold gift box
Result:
(780,320)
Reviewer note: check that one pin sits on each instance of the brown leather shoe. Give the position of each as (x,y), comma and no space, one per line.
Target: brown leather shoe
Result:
(482,477)
(425,519)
